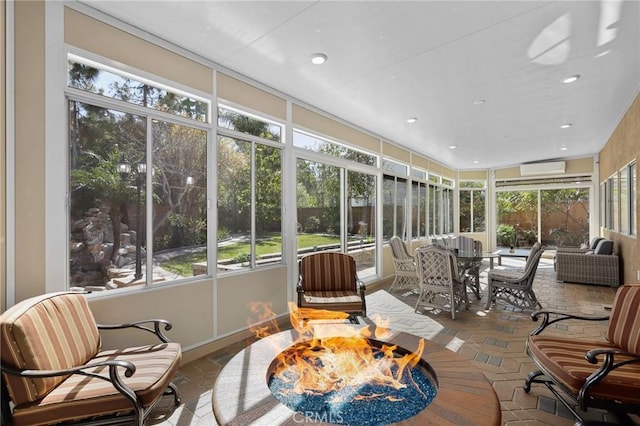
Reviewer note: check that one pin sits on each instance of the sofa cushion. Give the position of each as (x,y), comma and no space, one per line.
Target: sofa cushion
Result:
(604,247)
(53,331)
(594,242)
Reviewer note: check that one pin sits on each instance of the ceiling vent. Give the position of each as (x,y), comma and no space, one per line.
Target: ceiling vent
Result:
(550,168)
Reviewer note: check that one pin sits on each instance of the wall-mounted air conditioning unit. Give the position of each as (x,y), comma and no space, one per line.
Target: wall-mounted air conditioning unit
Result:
(548,168)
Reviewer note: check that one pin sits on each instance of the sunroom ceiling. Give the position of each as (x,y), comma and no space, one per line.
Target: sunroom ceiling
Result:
(433,60)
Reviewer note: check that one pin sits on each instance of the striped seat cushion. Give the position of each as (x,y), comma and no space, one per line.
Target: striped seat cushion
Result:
(624,323)
(81,396)
(564,359)
(49,332)
(333,300)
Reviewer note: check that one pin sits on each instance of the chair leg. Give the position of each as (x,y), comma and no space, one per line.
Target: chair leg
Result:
(173,390)
(531,378)
(420,297)
(490,296)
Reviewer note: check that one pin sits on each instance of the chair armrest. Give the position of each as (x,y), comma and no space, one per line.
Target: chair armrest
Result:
(571,250)
(111,363)
(609,364)
(583,258)
(114,376)
(361,286)
(550,316)
(140,325)
(407,265)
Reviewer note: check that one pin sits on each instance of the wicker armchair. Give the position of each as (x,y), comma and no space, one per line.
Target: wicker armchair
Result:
(598,373)
(406,275)
(589,268)
(469,245)
(516,287)
(440,285)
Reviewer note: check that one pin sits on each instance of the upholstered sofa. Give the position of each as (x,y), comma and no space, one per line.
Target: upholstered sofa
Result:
(598,266)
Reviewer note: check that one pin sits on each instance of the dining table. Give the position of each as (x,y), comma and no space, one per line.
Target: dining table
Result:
(469,267)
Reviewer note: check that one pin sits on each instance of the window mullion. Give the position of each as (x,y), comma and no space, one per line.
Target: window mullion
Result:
(253,206)
(148,204)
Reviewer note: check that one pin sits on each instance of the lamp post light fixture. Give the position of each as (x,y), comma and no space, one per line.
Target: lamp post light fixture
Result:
(124,169)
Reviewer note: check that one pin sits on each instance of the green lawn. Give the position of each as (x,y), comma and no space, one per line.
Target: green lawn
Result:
(181,265)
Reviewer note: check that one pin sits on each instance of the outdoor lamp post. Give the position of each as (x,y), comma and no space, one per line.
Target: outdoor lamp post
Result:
(124,168)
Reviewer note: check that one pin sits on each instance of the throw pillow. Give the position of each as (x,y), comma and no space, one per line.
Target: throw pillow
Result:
(604,247)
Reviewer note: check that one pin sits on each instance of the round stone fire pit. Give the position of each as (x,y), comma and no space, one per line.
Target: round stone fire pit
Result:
(352,381)
(241,394)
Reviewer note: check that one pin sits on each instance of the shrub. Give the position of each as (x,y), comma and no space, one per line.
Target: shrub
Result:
(505,234)
(312,224)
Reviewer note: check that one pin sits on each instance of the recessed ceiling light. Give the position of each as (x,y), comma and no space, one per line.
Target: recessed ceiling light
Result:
(475,162)
(318,58)
(564,148)
(566,126)
(571,78)
(412,119)
(479,101)
(453,146)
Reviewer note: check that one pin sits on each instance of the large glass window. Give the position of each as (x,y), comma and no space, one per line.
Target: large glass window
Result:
(433,205)
(440,205)
(613,203)
(249,192)
(628,193)
(564,217)
(419,209)
(447,210)
(318,202)
(240,121)
(472,206)
(633,196)
(109,177)
(361,220)
(137,179)
(317,144)
(394,213)
(624,200)
(99,79)
(517,213)
(323,192)
(555,217)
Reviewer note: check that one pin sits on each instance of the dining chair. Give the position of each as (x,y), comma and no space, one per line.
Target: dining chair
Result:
(439,281)
(515,286)
(406,275)
(472,267)
(329,280)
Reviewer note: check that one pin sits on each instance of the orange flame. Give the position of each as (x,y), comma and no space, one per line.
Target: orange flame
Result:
(265,324)
(323,362)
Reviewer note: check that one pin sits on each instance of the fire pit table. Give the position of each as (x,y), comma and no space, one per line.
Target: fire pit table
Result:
(242,396)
